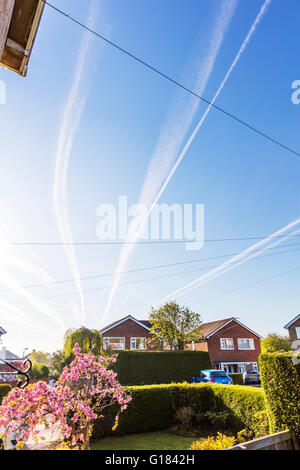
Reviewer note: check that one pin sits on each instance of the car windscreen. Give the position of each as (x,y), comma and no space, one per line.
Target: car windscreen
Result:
(217,374)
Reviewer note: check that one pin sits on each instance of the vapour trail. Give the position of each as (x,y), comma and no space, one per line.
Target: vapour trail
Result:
(71,117)
(238,260)
(173,134)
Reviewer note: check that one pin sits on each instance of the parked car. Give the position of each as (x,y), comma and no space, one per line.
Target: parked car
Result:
(251,376)
(212,376)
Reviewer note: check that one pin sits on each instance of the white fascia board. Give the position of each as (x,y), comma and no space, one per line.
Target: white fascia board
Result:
(122,321)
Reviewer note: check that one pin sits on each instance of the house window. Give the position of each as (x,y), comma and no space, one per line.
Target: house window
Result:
(114,343)
(246,343)
(227,343)
(297,332)
(138,343)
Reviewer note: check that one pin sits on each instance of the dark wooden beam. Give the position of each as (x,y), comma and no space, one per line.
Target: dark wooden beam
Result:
(6,10)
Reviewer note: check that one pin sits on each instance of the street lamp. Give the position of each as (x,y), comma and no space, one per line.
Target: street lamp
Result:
(26,349)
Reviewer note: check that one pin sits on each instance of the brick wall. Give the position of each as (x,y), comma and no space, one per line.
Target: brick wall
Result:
(235,331)
(292,331)
(129,329)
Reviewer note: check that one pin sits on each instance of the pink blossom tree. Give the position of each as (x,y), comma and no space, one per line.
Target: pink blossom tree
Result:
(86,387)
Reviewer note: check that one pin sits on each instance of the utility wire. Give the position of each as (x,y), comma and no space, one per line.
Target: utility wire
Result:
(175,82)
(145,269)
(248,285)
(151,242)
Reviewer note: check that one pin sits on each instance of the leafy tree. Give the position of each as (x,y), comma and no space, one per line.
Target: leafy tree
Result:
(40,357)
(39,371)
(275,343)
(90,341)
(175,324)
(57,363)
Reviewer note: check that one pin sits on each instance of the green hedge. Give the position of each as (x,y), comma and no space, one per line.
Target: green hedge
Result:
(281,383)
(153,407)
(4,390)
(237,378)
(39,371)
(159,367)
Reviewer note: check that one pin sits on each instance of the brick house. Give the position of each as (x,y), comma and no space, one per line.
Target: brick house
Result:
(128,333)
(293,328)
(232,346)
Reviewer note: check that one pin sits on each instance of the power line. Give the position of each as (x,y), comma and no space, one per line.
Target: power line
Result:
(175,82)
(249,285)
(151,242)
(145,269)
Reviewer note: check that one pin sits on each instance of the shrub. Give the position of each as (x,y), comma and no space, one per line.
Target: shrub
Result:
(220,419)
(184,416)
(4,390)
(159,367)
(281,383)
(260,428)
(237,379)
(244,435)
(39,371)
(214,443)
(153,406)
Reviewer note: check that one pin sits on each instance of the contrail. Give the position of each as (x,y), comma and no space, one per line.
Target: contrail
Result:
(242,258)
(8,259)
(14,315)
(71,117)
(172,136)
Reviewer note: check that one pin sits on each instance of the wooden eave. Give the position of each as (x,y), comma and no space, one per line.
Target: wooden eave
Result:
(21,19)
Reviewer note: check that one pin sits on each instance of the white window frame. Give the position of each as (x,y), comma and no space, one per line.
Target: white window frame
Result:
(225,348)
(251,344)
(135,338)
(111,338)
(242,366)
(297,330)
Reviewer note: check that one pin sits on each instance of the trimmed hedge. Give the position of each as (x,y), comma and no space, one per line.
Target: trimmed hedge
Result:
(4,390)
(153,407)
(159,367)
(281,382)
(39,371)
(237,379)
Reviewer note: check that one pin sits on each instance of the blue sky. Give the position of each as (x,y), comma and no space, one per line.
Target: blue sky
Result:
(121,110)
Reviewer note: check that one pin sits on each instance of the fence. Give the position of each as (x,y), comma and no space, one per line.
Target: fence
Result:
(285,440)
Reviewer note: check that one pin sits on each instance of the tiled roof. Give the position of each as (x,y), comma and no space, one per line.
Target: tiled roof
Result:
(146,323)
(210,327)
(7,355)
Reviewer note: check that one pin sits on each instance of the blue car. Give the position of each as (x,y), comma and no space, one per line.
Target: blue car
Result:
(211,376)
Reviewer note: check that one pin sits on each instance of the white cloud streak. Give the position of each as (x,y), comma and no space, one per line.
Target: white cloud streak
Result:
(242,258)
(172,136)
(71,117)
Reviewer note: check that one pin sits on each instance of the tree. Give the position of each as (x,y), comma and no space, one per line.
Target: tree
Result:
(90,341)
(57,363)
(175,324)
(275,343)
(39,371)
(85,388)
(40,357)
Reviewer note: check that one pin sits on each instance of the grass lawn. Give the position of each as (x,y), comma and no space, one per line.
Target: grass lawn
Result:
(147,441)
